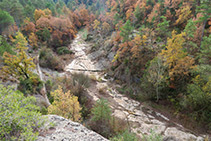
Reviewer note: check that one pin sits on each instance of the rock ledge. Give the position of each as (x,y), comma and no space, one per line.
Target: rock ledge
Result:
(67,130)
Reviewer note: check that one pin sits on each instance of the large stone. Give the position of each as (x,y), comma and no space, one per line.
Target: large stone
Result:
(67,130)
(180,135)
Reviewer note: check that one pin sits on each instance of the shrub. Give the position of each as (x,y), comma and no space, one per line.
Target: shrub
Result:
(76,88)
(101,112)
(65,104)
(101,115)
(43,35)
(103,123)
(31,85)
(125,136)
(49,60)
(82,79)
(19,119)
(63,50)
(5,47)
(152,137)
(199,98)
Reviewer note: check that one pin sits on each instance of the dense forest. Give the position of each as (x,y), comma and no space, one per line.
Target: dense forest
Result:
(162,55)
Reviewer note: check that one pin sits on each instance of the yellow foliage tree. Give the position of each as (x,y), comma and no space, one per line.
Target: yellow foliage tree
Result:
(65,104)
(96,24)
(18,65)
(33,40)
(38,13)
(183,14)
(177,60)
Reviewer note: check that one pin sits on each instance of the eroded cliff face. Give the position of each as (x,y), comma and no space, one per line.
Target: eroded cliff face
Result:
(61,129)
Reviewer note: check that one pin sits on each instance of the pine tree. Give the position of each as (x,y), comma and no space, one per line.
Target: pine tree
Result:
(126,31)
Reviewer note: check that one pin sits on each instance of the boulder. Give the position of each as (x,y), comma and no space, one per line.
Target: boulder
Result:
(61,129)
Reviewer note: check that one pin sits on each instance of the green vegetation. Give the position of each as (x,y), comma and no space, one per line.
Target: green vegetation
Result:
(5,20)
(19,117)
(153,137)
(125,136)
(49,60)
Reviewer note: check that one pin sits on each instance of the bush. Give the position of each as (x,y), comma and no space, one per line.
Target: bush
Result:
(101,112)
(198,99)
(152,137)
(82,79)
(103,123)
(43,35)
(76,88)
(31,85)
(19,119)
(5,47)
(125,136)
(49,60)
(63,51)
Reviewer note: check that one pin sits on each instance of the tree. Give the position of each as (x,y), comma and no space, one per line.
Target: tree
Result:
(5,20)
(205,9)
(96,25)
(204,55)
(101,111)
(190,30)
(18,65)
(199,97)
(162,28)
(183,14)
(19,116)
(28,26)
(65,104)
(5,46)
(33,40)
(126,31)
(39,13)
(138,14)
(155,74)
(179,64)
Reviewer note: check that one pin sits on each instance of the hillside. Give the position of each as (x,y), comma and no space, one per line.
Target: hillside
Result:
(126,69)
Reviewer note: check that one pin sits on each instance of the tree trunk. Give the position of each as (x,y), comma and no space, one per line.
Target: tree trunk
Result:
(204,23)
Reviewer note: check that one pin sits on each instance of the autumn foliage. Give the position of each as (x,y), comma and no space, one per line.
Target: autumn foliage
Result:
(65,104)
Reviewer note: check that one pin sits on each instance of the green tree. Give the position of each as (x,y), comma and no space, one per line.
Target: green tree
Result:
(204,55)
(5,46)
(138,14)
(190,30)
(163,28)
(19,119)
(155,74)
(126,31)
(205,9)
(101,111)
(5,20)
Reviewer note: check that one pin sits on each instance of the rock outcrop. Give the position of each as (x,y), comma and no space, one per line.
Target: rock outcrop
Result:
(61,129)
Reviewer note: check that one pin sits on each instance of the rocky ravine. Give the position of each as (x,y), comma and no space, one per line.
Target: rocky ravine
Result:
(140,118)
(67,130)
